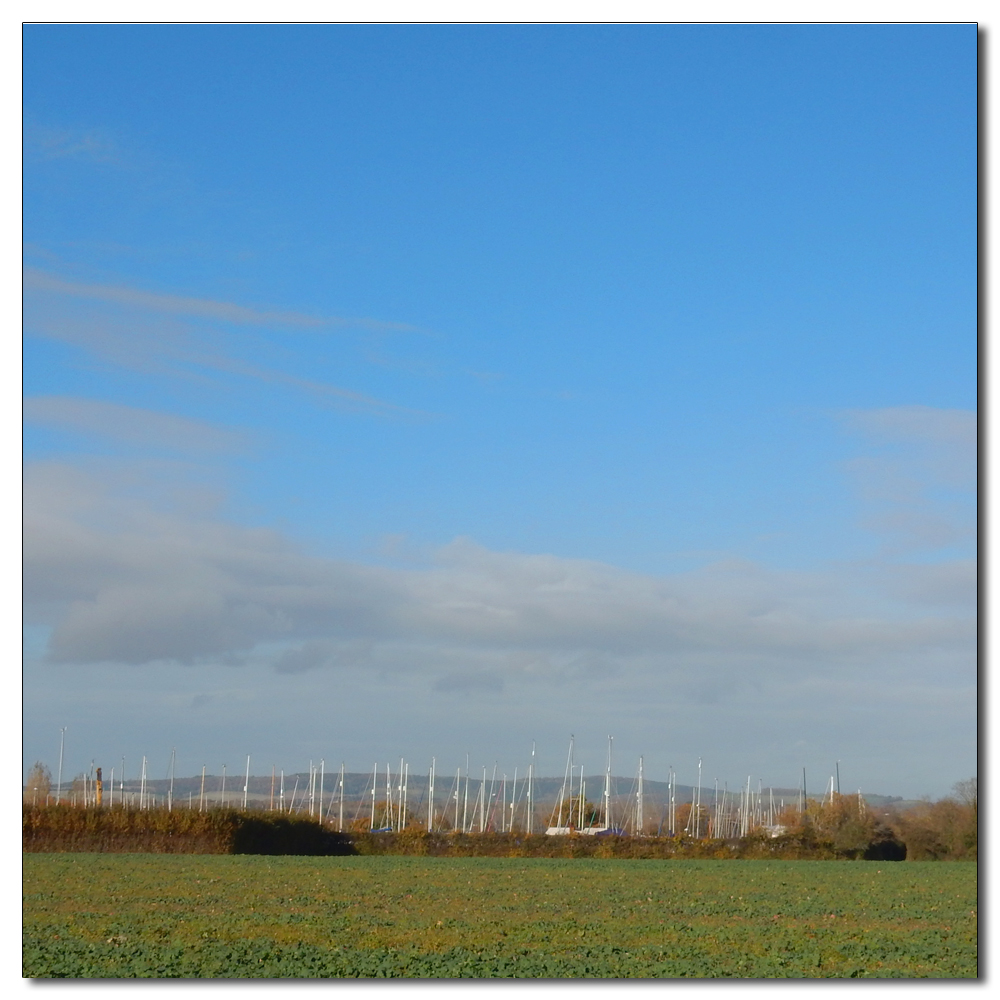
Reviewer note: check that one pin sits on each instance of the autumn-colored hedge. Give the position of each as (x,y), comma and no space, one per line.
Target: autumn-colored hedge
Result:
(217,831)
(799,844)
(180,831)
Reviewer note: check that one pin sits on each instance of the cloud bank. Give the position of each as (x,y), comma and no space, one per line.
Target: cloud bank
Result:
(170,607)
(119,580)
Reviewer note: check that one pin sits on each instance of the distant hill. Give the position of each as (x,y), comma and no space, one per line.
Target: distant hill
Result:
(357,786)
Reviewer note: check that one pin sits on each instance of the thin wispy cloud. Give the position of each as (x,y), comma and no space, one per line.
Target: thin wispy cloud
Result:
(178,337)
(131,424)
(943,441)
(331,394)
(178,305)
(918,476)
(92,145)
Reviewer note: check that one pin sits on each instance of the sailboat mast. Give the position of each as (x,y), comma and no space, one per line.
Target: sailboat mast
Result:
(513,801)
(607,789)
(671,781)
(566,778)
(697,815)
(493,781)
(322,778)
(482,803)
(430,797)
(399,802)
(639,803)
(531,775)
(715,811)
(465,808)
(340,820)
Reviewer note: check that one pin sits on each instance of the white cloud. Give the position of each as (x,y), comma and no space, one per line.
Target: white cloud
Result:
(122,581)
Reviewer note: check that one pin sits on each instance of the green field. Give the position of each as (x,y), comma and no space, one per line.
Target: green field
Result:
(141,915)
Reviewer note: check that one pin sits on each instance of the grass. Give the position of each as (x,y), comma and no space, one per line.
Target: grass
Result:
(162,916)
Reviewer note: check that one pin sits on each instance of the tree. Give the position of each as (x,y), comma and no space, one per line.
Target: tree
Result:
(682,815)
(39,784)
(946,830)
(844,826)
(968,794)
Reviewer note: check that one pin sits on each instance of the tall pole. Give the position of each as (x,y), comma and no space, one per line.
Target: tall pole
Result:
(322,777)
(566,777)
(493,781)
(577,810)
(465,807)
(673,801)
(406,779)
(482,803)
(201,794)
(340,819)
(747,809)
(62,744)
(531,802)
(246,784)
(513,799)
(838,777)
(388,796)
(607,789)
(639,824)
(697,815)
(715,810)
(399,798)
(430,797)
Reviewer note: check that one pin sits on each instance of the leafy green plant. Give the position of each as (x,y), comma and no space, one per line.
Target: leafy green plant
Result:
(158,916)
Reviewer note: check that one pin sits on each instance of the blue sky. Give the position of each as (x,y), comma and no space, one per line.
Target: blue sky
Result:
(432,390)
